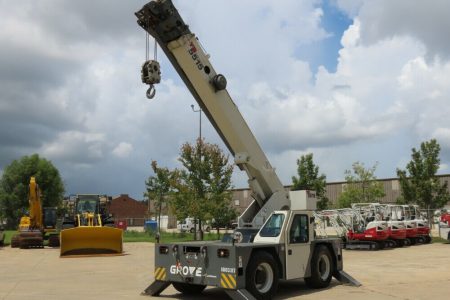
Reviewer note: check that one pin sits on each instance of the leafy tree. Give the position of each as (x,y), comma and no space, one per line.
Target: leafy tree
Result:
(202,186)
(309,179)
(419,183)
(14,186)
(362,186)
(158,187)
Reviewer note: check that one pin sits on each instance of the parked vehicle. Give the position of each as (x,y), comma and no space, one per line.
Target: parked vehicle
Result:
(188,225)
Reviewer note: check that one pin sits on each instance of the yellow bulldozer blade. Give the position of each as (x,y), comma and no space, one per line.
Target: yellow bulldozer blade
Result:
(91,240)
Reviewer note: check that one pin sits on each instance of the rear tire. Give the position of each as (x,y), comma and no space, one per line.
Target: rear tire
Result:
(188,289)
(53,241)
(322,268)
(262,276)
(400,243)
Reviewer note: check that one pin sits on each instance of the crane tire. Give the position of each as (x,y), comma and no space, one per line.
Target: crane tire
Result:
(262,275)
(322,268)
(188,289)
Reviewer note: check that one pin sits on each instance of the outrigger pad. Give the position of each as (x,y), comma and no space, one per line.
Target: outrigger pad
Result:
(241,294)
(343,277)
(156,288)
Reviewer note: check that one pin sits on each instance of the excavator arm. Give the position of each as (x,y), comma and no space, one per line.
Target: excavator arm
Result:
(162,21)
(34,199)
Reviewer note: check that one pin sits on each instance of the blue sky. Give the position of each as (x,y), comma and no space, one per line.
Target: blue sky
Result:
(325,52)
(345,80)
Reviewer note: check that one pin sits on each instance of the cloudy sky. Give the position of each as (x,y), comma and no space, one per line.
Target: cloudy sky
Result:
(346,80)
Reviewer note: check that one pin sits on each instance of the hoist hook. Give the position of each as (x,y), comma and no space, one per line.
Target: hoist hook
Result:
(151,92)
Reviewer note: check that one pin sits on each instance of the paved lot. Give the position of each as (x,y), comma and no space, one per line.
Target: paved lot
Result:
(420,272)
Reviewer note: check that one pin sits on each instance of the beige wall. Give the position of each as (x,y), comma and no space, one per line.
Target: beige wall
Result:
(334,189)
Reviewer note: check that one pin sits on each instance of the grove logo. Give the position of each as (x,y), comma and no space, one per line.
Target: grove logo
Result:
(186,270)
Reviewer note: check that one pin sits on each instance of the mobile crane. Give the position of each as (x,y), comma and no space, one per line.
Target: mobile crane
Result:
(275,238)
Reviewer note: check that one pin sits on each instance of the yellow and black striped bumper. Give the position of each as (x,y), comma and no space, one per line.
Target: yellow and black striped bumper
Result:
(160,274)
(228,281)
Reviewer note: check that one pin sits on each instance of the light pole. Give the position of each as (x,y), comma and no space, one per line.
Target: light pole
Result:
(198,233)
(200,120)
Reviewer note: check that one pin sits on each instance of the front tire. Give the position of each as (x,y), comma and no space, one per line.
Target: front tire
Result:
(322,268)
(262,276)
(188,289)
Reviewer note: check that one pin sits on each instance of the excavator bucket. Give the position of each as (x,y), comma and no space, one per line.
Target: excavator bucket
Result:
(91,241)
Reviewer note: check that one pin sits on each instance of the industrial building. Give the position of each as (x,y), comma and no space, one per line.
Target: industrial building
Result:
(242,198)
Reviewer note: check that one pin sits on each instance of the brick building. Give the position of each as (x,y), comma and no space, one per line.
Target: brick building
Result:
(125,207)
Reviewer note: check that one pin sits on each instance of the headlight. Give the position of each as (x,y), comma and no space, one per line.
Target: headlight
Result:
(163,249)
(223,253)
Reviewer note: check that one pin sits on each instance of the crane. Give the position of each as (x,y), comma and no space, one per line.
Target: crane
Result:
(275,236)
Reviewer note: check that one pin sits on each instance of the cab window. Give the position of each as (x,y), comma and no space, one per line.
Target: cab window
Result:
(299,232)
(273,226)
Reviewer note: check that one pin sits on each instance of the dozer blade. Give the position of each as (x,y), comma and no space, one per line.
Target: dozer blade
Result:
(87,240)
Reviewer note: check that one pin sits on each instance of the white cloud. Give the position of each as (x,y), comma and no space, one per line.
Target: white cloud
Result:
(123,150)
(388,93)
(75,147)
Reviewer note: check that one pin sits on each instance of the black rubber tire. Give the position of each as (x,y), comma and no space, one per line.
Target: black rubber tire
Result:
(399,243)
(412,241)
(382,245)
(428,239)
(322,268)
(260,262)
(53,241)
(188,289)
(191,230)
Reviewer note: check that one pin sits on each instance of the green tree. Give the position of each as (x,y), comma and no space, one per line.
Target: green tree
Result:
(419,183)
(309,179)
(14,186)
(158,188)
(361,187)
(202,186)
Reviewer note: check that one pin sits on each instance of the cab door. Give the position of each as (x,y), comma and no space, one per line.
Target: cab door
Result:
(298,246)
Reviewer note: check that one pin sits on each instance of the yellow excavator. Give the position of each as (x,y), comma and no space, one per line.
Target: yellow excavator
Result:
(39,224)
(90,230)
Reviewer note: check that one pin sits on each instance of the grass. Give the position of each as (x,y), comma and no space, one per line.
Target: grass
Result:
(436,239)
(8,236)
(134,236)
(166,237)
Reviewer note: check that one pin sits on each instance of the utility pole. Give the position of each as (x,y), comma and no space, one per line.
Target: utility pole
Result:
(198,234)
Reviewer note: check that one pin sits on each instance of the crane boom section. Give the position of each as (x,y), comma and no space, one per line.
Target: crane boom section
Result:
(161,20)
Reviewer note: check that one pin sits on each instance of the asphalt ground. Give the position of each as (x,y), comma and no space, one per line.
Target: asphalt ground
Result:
(416,272)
